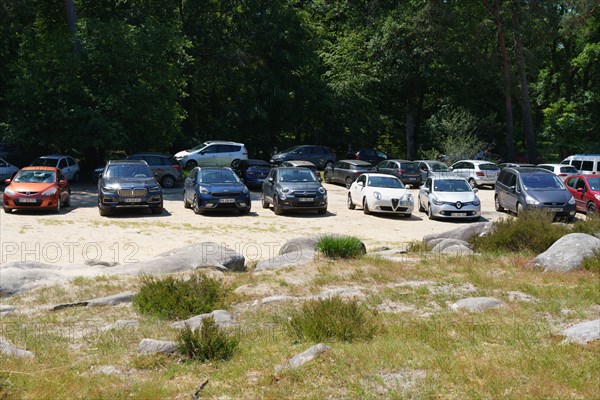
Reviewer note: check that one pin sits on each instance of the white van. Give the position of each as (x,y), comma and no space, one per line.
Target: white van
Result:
(585,163)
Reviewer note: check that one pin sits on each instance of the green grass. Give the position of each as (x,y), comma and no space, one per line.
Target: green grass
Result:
(209,342)
(341,247)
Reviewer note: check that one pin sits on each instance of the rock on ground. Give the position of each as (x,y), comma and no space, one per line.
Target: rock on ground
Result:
(583,332)
(6,310)
(477,304)
(108,301)
(402,380)
(465,233)
(456,250)
(9,350)
(152,346)
(121,324)
(567,253)
(303,357)
(19,276)
(222,318)
(300,244)
(343,292)
(290,259)
(443,243)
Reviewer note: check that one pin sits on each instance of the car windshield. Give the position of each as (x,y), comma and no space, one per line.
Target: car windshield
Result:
(44,162)
(451,185)
(365,168)
(439,167)
(385,182)
(594,183)
(128,171)
(409,167)
(200,146)
(297,175)
(35,176)
(541,182)
(291,149)
(488,167)
(217,176)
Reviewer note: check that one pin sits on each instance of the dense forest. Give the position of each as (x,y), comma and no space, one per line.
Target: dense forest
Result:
(518,78)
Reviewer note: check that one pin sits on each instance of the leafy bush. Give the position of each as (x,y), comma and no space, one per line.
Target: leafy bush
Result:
(176,298)
(209,342)
(341,247)
(533,231)
(333,319)
(592,263)
(591,225)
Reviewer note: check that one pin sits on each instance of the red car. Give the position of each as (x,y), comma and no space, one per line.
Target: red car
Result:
(37,188)
(586,191)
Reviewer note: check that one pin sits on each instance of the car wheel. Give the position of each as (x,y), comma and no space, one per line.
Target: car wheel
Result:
(186,203)
(591,208)
(430,212)
(68,201)
(7,210)
(276,207)
(519,209)
(366,207)
(168,181)
(196,205)
(327,177)
(348,182)
(58,204)
(351,205)
(191,164)
(76,177)
(265,203)
(472,183)
(421,208)
(497,204)
(235,163)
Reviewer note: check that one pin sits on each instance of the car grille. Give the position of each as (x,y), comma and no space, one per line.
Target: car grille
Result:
(226,194)
(28,193)
(395,203)
(399,209)
(305,194)
(554,204)
(21,203)
(132,192)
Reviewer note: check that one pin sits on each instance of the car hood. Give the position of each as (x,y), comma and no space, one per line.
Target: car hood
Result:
(31,186)
(130,183)
(453,197)
(184,153)
(294,186)
(223,187)
(388,192)
(550,196)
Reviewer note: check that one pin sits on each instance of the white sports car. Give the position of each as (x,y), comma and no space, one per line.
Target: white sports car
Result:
(380,193)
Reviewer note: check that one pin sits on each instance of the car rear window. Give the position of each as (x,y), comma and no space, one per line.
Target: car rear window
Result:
(569,169)
(44,162)
(488,167)
(410,167)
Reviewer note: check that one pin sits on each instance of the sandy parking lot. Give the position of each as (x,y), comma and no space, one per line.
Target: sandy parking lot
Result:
(78,233)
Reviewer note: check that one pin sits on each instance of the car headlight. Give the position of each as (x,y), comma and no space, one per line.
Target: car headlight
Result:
(203,190)
(409,198)
(597,196)
(436,201)
(285,190)
(531,200)
(476,202)
(322,190)
(109,189)
(154,189)
(572,200)
(49,192)
(11,192)
(282,196)
(377,195)
(245,190)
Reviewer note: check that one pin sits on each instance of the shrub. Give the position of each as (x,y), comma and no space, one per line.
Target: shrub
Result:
(333,319)
(591,225)
(177,298)
(341,247)
(209,342)
(533,231)
(592,263)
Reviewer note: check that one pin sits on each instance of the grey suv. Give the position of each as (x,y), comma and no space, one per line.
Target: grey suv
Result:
(518,189)
(293,188)
(166,169)
(346,171)
(321,156)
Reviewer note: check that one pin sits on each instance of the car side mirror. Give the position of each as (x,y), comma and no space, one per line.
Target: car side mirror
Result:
(320,179)
(7,181)
(451,169)
(475,190)
(270,180)
(580,190)
(426,189)
(512,189)
(202,152)
(361,184)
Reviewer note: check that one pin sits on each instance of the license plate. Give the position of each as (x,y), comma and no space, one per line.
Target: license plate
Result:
(226,200)
(28,200)
(460,214)
(133,200)
(412,179)
(305,199)
(555,209)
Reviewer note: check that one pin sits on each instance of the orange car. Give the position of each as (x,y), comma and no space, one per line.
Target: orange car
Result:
(37,188)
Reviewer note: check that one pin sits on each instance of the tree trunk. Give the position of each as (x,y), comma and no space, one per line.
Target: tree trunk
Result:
(72,23)
(411,146)
(510,145)
(526,107)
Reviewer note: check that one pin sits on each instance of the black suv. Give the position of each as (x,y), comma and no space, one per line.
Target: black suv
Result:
(321,156)
(293,188)
(128,184)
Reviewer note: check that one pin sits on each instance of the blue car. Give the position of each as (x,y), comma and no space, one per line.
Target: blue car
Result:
(210,188)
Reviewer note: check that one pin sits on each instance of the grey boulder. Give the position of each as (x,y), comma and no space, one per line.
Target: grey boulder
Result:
(6,310)
(21,276)
(465,233)
(443,243)
(222,318)
(152,346)
(567,253)
(108,301)
(583,332)
(9,350)
(304,357)
(290,259)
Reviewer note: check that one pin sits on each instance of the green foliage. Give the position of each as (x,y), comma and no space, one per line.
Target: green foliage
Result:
(208,342)
(591,225)
(176,298)
(341,247)
(534,231)
(592,263)
(334,319)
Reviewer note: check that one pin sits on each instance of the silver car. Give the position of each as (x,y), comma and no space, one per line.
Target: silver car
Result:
(560,170)
(447,197)
(432,168)
(477,172)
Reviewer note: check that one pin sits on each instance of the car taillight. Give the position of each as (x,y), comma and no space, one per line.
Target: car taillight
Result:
(357,174)
(245,152)
(562,174)
(479,174)
(401,171)
(176,166)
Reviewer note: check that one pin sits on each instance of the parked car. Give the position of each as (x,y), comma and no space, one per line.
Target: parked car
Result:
(7,170)
(321,156)
(210,188)
(519,189)
(406,171)
(585,163)
(252,172)
(166,169)
(371,156)
(12,153)
(214,153)
(293,188)
(37,188)
(380,193)
(128,184)
(346,171)
(304,164)
(585,189)
(67,164)
(476,172)
(449,197)
(514,165)
(432,168)
(560,170)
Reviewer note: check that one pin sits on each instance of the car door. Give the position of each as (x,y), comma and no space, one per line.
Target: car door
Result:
(424,193)
(335,171)
(208,156)
(189,186)
(424,168)
(460,168)
(6,170)
(64,167)
(156,165)
(579,194)
(508,194)
(268,185)
(356,191)
(73,167)
(63,189)
(317,156)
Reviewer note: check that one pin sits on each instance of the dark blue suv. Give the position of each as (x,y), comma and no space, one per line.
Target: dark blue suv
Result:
(211,188)
(128,184)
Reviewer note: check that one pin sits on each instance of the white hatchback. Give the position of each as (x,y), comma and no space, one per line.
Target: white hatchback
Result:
(214,153)
(67,164)
(380,193)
